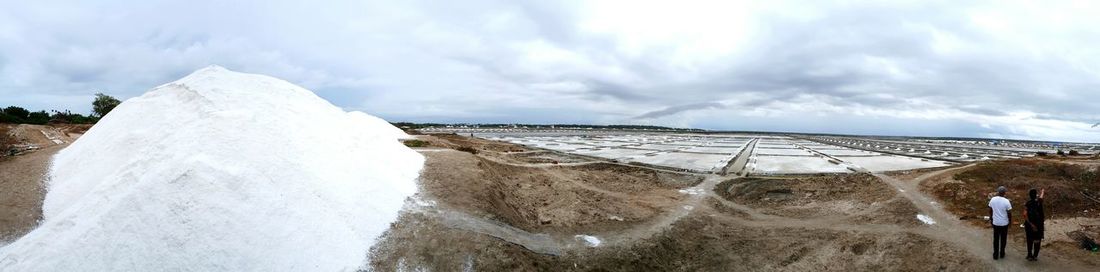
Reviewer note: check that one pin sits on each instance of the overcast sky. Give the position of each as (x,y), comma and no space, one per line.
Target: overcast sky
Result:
(1011,69)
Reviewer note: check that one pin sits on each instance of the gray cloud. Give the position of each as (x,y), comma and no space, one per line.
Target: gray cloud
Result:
(983,68)
(678,109)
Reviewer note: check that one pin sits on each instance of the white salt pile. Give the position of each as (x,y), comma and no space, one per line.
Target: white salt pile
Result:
(221,171)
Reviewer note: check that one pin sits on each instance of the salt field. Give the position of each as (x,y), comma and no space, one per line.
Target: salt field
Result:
(762,154)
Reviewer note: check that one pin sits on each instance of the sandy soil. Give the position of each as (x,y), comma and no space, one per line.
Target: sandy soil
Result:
(551,198)
(809,197)
(832,222)
(21,178)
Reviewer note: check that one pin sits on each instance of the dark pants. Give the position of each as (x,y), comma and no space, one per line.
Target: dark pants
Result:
(1034,240)
(1000,238)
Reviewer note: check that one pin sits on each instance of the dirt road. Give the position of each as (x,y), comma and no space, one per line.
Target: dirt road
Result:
(22,191)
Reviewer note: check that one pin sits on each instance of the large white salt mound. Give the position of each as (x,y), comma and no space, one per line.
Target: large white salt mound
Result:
(221,171)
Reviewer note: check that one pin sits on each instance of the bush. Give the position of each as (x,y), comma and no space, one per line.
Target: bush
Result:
(1061,153)
(1041,154)
(17,112)
(5,118)
(1074,153)
(71,118)
(38,118)
(415,143)
(468,149)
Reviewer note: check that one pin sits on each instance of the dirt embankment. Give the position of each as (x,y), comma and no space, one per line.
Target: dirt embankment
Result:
(549,199)
(543,157)
(1071,190)
(452,140)
(695,243)
(833,196)
(17,139)
(7,143)
(1072,202)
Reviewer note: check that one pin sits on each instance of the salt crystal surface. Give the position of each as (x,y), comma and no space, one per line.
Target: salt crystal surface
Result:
(592,241)
(221,171)
(926,219)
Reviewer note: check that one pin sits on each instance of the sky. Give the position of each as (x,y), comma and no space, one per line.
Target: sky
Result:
(998,69)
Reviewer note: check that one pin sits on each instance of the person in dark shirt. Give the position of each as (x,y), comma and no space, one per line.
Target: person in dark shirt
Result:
(1033,224)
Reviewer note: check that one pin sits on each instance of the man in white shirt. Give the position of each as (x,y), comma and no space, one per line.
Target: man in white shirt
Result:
(1000,218)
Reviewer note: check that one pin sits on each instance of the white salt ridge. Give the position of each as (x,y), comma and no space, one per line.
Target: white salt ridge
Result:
(926,219)
(691,191)
(221,171)
(592,241)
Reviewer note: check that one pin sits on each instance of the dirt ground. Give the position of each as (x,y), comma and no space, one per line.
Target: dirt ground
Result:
(540,156)
(808,197)
(1071,190)
(669,223)
(1070,186)
(553,197)
(20,138)
(696,243)
(22,176)
(452,140)
(22,179)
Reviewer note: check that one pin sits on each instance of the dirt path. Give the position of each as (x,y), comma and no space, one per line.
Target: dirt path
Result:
(978,242)
(536,242)
(22,191)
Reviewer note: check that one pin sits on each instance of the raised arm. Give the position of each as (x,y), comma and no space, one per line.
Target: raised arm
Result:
(1028,221)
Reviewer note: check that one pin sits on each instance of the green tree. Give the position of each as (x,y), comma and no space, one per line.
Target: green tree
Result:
(104,104)
(17,112)
(38,118)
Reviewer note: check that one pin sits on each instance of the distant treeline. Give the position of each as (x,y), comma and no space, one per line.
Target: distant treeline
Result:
(18,115)
(538,126)
(100,107)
